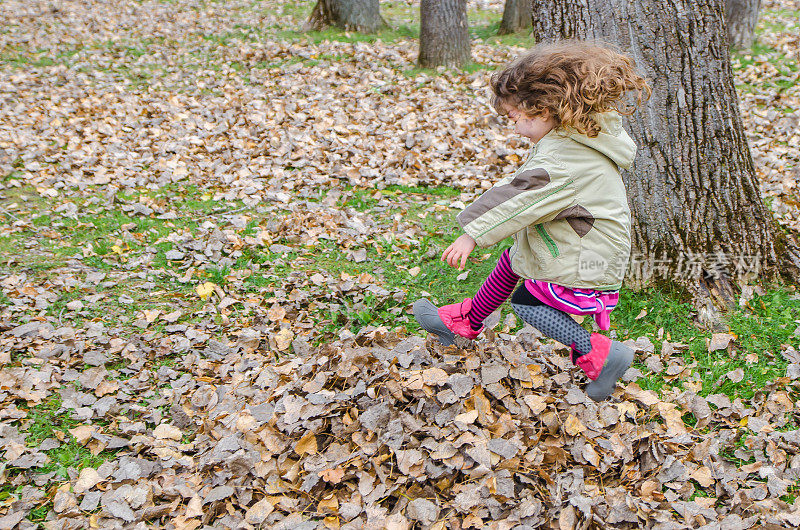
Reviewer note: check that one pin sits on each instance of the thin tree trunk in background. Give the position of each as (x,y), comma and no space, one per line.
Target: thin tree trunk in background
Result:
(516,16)
(444,34)
(698,215)
(352,15)
(741,17)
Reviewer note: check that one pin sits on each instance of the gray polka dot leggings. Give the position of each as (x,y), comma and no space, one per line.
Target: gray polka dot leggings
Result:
(551,322)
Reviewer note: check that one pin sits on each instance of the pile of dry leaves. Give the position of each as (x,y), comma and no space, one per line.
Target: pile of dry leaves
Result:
(380,431)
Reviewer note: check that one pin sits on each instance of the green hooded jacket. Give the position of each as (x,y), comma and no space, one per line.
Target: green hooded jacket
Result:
(566,207)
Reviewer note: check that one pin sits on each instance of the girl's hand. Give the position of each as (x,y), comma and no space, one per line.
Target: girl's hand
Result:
(459,250)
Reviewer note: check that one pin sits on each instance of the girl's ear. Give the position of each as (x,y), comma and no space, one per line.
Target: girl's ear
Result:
(550,116)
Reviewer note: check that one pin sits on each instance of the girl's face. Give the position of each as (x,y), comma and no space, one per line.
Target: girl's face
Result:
(533,128)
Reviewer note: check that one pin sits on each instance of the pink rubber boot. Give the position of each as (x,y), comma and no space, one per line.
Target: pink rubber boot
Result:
(604,365)
(447,321)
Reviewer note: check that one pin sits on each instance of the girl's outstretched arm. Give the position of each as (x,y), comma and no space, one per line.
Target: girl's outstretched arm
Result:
(536,193)
(459,250)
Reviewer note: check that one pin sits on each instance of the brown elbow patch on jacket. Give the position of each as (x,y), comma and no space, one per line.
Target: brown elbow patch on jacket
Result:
(528,180)
(578,218)
(531,179)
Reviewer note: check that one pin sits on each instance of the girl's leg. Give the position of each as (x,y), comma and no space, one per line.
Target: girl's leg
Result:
(603,360)
(494,291)
(551,322)
(466,318)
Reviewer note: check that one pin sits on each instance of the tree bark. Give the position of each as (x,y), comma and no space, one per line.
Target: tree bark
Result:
(351,15)
(444,34)
(516,16)
(741,17)
(698,215)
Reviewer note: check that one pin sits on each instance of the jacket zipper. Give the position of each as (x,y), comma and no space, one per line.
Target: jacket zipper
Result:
(551,245)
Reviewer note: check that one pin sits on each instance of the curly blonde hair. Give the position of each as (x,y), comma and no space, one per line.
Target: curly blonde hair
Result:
(570,80)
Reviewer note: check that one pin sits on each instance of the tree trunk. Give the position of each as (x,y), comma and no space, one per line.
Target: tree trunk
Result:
(351,15)
(443,34)
(516,16)
(698,215)
(741,17)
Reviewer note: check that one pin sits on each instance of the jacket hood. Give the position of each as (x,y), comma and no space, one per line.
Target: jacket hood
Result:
(612,141)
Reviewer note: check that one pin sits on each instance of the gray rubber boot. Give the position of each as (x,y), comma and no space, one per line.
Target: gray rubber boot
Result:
(427,316)
(619,359)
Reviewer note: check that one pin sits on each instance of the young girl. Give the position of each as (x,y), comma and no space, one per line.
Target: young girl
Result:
(566,207)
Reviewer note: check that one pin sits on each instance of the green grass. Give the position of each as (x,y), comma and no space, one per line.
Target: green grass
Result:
(48,420)
(100,230)
(317,59)
(762,328)
(765,25)
(8,491)
(730,449)
(392,34)
(299,10)
(487,32)
(366,199)
(44,421)
(218,274)
(330,34)
(758,53)
(665,309)
(11,245)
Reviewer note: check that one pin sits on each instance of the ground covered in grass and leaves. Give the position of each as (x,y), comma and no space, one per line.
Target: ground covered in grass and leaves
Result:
(213,227)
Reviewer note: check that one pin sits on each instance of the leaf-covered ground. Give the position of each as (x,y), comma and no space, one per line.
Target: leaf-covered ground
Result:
(213,226)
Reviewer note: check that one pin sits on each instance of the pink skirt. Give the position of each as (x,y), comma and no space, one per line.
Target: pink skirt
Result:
(599,304)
